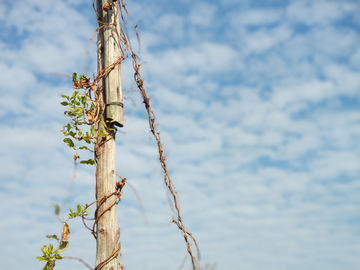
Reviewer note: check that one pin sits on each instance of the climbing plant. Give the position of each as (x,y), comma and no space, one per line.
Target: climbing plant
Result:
(85,131)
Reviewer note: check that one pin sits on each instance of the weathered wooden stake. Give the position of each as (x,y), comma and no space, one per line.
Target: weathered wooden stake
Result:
(108,53)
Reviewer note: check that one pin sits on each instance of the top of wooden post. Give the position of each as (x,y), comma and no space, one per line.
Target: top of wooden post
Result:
(110,53)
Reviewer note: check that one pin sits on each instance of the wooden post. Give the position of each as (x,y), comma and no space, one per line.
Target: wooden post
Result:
(108,53)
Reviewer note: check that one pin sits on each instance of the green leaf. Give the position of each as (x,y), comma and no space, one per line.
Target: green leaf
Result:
(69,142)
(78,209)
(58,257)
(84,147)
(64,245)
(74,77)
(64,103)
(45,250)
(92,129)
(83,100)
(72,214)
(41,258)
(57,209)
(88,162)
(74,94)
(52,236)
(78,110)
(64,96)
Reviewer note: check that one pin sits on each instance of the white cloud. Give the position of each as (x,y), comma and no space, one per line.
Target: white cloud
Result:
(318,12)
(272,177)
(346,80)
(202,14)
(355,59)
(16,79)
(263,40)
(256,17)
(312,91)
(173,24)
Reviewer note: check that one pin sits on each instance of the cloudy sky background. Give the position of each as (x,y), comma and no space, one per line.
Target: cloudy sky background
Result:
(258,108)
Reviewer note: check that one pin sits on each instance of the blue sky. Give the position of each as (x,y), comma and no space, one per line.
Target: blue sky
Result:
(258,108)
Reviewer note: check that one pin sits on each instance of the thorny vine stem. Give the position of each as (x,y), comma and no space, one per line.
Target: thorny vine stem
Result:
(140,84)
